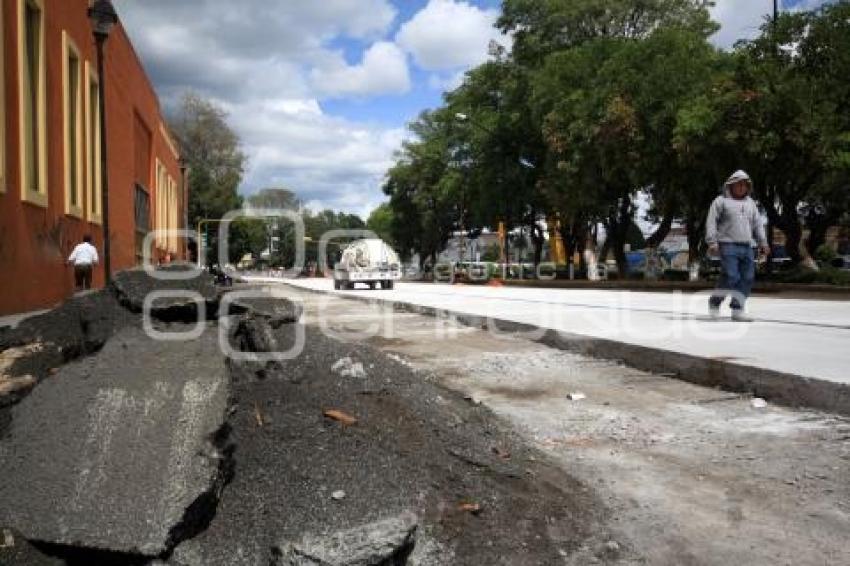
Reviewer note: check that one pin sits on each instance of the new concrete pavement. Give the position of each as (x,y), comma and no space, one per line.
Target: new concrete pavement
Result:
(796,351)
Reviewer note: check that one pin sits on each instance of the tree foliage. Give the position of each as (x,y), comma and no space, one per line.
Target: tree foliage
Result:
(599,101)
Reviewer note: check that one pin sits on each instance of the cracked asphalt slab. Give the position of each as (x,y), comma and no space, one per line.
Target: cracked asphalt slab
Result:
(117,451)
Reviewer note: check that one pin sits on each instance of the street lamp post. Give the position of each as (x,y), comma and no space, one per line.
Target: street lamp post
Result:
(184,170)
(103,17)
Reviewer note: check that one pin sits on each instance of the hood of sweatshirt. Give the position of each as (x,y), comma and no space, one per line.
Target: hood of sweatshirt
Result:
(739,175)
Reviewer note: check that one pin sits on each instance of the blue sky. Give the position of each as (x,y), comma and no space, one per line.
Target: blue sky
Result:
(320,92)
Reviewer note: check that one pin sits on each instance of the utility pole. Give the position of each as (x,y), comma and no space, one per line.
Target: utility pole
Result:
(775,21)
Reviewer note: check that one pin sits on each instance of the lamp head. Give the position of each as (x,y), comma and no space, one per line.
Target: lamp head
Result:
(103,18)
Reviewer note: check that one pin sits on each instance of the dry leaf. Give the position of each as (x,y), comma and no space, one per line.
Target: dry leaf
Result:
(341,417)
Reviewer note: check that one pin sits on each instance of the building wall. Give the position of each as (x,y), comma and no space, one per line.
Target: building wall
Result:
(35,239)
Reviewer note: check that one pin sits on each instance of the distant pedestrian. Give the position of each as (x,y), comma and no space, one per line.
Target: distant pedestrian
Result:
(733,229)
(84,258)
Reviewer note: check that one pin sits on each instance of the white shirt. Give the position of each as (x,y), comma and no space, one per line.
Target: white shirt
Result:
(83,254)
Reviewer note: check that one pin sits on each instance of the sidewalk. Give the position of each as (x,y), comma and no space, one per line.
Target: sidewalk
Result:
(796,351)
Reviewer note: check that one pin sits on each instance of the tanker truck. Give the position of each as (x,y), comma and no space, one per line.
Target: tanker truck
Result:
(369,261)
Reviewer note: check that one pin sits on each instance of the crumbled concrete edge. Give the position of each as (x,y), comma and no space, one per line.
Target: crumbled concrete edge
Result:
(388,542)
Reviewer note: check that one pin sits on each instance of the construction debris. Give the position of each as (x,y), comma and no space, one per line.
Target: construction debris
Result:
(120,451)
(139,465)
(386,542)
(175,299)
(346,367)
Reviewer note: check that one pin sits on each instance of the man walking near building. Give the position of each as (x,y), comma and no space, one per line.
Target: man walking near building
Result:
(84,257)
(733,229)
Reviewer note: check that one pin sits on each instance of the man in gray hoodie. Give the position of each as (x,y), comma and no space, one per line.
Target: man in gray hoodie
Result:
(733,229)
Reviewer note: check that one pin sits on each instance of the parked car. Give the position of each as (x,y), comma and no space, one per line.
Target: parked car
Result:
(841,262)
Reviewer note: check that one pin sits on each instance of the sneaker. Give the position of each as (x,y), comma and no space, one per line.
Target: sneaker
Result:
(741,316)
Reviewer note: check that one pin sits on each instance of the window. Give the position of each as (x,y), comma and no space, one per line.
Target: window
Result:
(142,212)
(94,175)
(160,204)
(72,97)
(33,101)
(172,213)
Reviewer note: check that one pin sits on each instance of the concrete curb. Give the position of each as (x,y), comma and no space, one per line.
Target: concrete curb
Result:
(778,387)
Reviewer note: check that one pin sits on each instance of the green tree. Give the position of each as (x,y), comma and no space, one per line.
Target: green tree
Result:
(543,27)
(275,198)
(215,161)
(247,236)
(211,149)
(781,114)
(380,221)
(426,187)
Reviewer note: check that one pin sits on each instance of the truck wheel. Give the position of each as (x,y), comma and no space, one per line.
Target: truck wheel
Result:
(336,285)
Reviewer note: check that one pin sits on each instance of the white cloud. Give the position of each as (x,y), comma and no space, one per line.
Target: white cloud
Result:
(742,19)
(449,34)
(383,71)
(248,48)
(332,162)
(267,63)
(739,19)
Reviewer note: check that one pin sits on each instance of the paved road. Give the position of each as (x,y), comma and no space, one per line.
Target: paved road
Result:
(690,475)
(807,338)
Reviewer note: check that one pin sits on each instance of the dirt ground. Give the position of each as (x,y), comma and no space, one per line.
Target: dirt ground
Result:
(414,448)
(691,476)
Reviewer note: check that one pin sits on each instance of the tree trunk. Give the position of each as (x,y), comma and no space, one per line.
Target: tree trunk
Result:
(618,227)
(661,232)
(538,239)
(793,236)
(695,239)
(789,223)
(818,226)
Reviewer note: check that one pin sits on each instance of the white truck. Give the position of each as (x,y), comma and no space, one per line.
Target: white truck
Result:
(369,261)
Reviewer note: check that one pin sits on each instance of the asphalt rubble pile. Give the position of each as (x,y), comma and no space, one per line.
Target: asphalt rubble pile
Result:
(135,450)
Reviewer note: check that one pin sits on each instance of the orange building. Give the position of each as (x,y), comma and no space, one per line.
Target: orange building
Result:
(50,174)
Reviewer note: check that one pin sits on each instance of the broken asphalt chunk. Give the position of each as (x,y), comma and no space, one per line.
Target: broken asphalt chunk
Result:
(120,451)
(133,286)
(382,543)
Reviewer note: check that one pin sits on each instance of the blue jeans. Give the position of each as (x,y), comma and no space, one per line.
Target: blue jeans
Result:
(738,263)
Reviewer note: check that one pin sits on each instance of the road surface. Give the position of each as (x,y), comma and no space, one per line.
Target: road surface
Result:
(806,338)
(690,475)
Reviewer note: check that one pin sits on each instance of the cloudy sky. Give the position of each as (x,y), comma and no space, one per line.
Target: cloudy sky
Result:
(320,91)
